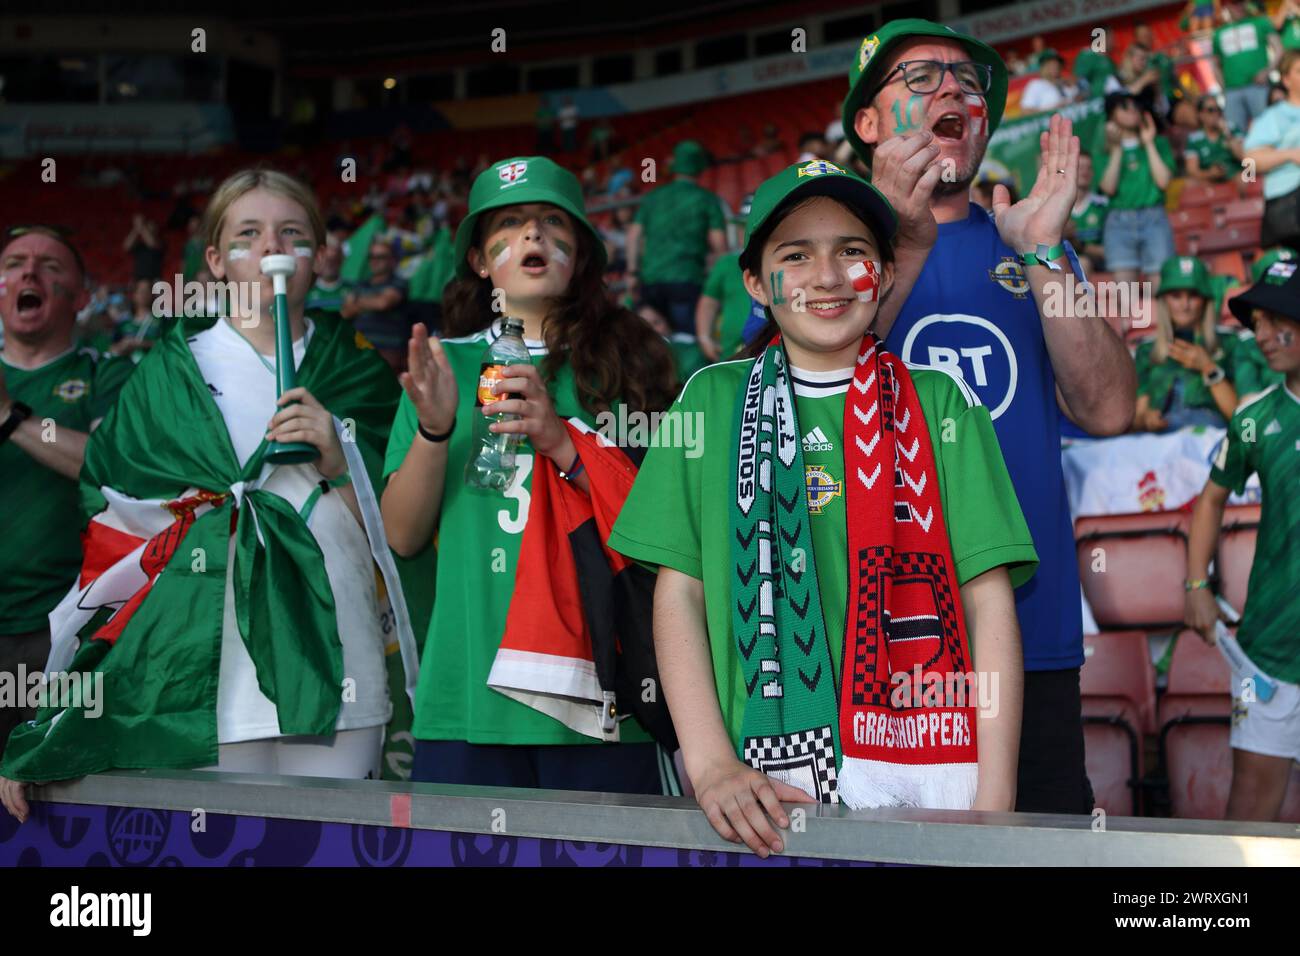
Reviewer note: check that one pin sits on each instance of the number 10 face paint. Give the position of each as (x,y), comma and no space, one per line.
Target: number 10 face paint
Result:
(865,277)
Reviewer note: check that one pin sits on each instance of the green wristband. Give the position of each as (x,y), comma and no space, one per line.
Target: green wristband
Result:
(1196,584)
(1042,255)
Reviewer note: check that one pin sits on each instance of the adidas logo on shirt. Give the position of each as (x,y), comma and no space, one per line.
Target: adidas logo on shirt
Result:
(1274,428)
(816,440)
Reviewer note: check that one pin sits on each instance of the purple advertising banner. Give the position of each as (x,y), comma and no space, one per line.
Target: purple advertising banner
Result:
(76,835)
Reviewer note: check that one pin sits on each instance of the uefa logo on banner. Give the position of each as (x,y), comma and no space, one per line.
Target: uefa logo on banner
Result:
(512,173)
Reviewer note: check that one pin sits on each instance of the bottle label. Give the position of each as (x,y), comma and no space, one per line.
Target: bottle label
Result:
(489,374)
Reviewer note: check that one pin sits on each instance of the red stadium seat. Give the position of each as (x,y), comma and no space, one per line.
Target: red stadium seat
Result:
(1242,235)
(1228,264)
(1237,552)
(1244,210)
(1194,719)
(1118,688)
(1133,567)
(1207,194)
(1192,218)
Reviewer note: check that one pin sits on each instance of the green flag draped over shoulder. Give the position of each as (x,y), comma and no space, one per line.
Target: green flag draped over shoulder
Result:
(164,441)
(356,266)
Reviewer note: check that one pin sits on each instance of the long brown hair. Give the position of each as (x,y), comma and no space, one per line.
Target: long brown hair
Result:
(614,354)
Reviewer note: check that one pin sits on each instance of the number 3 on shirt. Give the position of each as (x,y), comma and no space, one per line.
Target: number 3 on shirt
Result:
(517,491)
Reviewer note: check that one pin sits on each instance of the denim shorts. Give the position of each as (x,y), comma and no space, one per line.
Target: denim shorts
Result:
(1137,239)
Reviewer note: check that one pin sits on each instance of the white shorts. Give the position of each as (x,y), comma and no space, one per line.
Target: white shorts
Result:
(349,754)
(1271,728)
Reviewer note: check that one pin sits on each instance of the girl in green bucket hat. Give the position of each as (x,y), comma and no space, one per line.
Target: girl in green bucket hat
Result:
(525,250)
(1186,372)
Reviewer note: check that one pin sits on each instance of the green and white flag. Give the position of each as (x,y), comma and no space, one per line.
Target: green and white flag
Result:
(165,493)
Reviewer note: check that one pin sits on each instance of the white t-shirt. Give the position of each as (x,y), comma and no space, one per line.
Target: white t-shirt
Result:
(1041,94)
(242,384)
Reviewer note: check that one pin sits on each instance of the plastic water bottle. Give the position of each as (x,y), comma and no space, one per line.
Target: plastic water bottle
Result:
(492,462)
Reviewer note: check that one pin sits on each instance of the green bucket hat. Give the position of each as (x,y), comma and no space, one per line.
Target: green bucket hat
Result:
(864,72)
(689,158)
(1185,272)
(522,179)
(818,178)
(1262,264)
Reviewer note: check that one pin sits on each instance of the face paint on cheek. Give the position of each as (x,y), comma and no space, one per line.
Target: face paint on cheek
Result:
(1285,338)
(238,250)
(914,110)
(60,290)
(979,114)
(777,282)
(500,253)
(563,253)
(865,277)
(303,248)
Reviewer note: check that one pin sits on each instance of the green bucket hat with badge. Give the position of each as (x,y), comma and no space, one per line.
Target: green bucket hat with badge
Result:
(522,179)
(1264,262)
(817,178)
(864,73)
(1185,272)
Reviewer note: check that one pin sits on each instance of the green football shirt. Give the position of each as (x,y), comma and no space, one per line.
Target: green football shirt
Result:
(1291,34)
(478,539)
(40,521)
(1264,438)
(678,513)
(726,283)
(1156,380)
(1090,223)
(1093,68)
(321,299)
(1137,188)
(687,356)
(1210,152)
(1242,49)
(676,219)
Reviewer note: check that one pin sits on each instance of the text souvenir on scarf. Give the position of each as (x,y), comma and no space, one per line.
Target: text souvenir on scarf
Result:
(841,737)
(164,493)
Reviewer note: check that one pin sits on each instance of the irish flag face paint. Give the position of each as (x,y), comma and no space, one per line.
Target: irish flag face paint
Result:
(979,114)
(303,248)
(500,253)
(238,250)
(865,277)
(563,253)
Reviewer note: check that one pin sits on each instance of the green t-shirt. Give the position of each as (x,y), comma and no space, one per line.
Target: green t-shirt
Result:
(1242,49)
(726,283)
(1252,374)
(1156,381)
(678,513)
(478,539)
(1211,152)
(1093,68)
(327,300)
(676,219)
(192,258)
(1136,188)
(1264,437)
(1090,223)
(40,518)
(1291,34)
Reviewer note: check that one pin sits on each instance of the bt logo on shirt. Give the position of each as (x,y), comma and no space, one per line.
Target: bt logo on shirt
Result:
(971,347)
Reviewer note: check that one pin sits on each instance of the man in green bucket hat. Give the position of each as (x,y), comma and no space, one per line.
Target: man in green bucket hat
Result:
(994,303)
(684,228)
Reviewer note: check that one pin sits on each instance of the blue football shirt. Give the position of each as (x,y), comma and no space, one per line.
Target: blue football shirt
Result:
(971,311)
